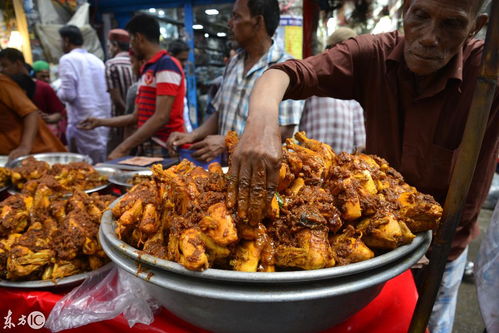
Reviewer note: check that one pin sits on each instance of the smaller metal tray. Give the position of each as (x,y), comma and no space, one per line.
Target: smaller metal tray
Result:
(52,158)
(124,178)
(64,282)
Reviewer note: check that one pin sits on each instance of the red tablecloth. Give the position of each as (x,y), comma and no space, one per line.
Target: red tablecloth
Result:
(390,312)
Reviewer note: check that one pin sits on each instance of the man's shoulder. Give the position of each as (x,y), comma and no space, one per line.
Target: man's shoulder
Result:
(168,63)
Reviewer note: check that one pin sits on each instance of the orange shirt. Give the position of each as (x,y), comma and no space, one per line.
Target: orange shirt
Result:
(14,105)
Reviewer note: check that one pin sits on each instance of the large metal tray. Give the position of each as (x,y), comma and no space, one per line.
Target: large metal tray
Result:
(64,282)
(124,178)
(108,226)
(241,307)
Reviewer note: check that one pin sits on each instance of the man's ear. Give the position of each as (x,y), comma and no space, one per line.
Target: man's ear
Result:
(480,22)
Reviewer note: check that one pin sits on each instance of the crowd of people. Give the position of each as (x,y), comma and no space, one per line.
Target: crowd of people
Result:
(404,97)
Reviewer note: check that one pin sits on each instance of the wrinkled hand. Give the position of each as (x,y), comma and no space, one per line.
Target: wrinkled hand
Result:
(89,124)
(209,148)
(18,152)
(177,139)
(118,152)
(254,171)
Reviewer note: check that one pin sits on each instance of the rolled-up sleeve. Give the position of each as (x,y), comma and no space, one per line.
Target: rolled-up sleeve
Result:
(68,90)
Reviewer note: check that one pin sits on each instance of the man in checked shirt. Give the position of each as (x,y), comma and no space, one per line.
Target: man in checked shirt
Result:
(337,122)
(252,25)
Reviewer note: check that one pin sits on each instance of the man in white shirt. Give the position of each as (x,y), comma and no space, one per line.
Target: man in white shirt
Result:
(83,89)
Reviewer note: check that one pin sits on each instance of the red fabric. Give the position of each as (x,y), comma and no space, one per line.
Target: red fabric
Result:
(390,312)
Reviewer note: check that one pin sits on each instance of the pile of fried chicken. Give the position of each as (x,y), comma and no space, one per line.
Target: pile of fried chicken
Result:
(4,177)
(59,177)
(329,210)
(46,236)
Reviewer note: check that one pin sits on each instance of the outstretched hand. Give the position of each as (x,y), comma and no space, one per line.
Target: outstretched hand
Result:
(254,171)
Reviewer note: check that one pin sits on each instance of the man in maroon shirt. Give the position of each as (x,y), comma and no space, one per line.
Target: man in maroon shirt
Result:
(44,97)
(416,91)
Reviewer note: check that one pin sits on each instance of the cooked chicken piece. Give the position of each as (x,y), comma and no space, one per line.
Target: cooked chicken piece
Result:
(326,152)
(419,211)
(384,231)
(348,247)
(192,251)
(312,251)
(256,254)
(219,225)
(14,214)
(63,268)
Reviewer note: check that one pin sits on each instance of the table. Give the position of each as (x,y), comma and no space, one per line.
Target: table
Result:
(389,312)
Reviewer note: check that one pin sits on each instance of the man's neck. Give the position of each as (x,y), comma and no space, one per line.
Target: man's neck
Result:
(257,48)
(151,51)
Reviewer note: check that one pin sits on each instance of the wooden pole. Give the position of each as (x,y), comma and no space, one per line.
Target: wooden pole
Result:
(463,172)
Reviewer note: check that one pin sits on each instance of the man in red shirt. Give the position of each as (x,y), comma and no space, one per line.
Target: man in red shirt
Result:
(160,97)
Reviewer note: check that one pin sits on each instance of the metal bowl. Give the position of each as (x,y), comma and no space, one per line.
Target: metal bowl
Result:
(304,306)
(3,160)
(50,284)
(52,158)
(108,226)
(124,178)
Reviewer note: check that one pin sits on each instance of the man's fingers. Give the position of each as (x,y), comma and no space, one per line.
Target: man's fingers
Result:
(243,190)
(272,183)
(258,191)
(198,153)
(198,145)
(232,176)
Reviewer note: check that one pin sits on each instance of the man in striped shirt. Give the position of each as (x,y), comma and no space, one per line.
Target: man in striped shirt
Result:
(160,96)
(119,78)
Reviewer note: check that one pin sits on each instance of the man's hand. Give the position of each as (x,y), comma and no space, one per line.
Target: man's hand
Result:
(19,151)
(209,148)
(118,152)
(177,139)
(89,124)
(51,118)
(254,170)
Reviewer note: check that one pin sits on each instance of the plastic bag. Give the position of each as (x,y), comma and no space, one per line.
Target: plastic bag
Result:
(101,297)
(487,274)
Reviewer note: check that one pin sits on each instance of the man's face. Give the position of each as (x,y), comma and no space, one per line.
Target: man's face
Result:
(242,25)
(112,49)
(43,75)
(10,68)
(136,44)
(183,57)
(435,31)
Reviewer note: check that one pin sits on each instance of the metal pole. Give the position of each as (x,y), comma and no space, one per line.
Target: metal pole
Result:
(463,172)
(191,63)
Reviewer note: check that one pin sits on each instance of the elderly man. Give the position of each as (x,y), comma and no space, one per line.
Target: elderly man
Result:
(416,90)
(83,89)
(253,24)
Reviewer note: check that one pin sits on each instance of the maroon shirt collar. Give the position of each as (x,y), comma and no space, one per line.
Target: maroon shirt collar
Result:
(452,71)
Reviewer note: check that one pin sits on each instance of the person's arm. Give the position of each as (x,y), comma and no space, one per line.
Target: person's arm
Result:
(160,117)
(254,171)
(117,100)
(208,128)
(30,128)
(67,91)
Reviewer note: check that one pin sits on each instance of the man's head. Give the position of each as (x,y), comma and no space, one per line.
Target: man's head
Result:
(254,18)
(180,50)
(12,62)
(435,31)
(339,35)
(42,70)
(71,37)
(144,32)
(118,41)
